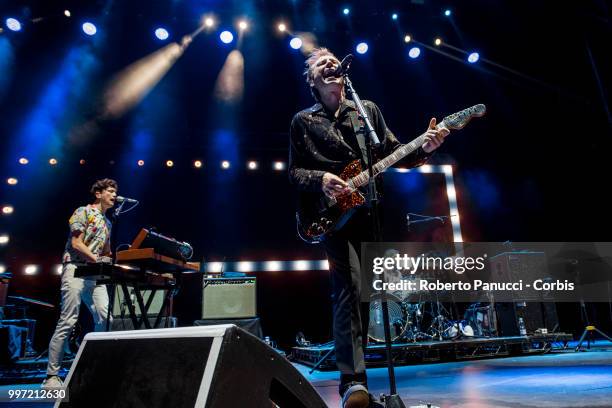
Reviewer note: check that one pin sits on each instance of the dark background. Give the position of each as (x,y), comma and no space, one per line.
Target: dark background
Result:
(535,169)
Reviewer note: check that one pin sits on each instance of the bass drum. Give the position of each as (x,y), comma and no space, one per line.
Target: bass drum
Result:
(398,317)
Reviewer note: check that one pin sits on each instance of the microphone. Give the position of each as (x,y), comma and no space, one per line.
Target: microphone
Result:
(344,66)
(121,199)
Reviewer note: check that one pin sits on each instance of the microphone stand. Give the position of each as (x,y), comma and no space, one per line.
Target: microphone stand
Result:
(111,298)
(392,400)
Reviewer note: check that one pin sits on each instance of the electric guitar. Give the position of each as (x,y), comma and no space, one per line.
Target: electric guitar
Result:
(319,214)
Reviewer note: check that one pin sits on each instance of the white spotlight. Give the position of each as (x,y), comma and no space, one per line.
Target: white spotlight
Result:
(279,165)
(30,269)
(4,239)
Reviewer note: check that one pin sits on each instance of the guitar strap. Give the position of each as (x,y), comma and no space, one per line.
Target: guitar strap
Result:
(359,129)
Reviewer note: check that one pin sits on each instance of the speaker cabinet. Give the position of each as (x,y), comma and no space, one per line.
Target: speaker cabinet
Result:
(229,298)
(210,366)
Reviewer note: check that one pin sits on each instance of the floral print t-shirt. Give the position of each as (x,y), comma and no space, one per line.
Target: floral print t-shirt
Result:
(96,227)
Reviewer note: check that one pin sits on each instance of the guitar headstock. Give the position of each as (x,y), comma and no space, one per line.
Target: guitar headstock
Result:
(459,119)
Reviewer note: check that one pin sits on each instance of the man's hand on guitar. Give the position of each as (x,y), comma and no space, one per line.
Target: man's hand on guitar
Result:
(434,137)
(334,185)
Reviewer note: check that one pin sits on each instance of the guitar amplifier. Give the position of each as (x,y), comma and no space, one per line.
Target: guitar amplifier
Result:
(229,298)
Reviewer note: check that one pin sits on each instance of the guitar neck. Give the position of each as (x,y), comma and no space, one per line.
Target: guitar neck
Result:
(362,178)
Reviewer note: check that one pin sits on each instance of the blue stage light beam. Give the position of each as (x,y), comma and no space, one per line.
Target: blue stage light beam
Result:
(46,125)
(346,11)
(7,58)
(448,12)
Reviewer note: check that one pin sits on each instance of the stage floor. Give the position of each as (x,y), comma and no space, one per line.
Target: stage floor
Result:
(557,379)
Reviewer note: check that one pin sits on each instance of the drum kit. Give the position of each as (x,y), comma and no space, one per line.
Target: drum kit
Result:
(418,315)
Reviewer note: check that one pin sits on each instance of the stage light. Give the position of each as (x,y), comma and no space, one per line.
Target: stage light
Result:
(361,48)
(394,16)
(4,239)
(225,164)
(252,165)
(23,161)
(273,266)
(245,266)
(214,267)
(447,12)
(197,164)
(473,57)
(414,52)
(209,22)
(169,163)
(140,163)
(2,268)
(243,25)
(301,265)
(58,269)
(82,162)
(438,41)
(52,161)
(67,13)
(279,165)
(7,209)
(407,39)
(346,11)
(13,24)
(30,269)
(282,27)
(226,37)
(295,43)
(12,181)
(89,28)
(162,33)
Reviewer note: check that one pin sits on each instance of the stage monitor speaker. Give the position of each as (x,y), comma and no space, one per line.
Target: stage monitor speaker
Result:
(229,298)
(209,366)
(120,307)
(536,315)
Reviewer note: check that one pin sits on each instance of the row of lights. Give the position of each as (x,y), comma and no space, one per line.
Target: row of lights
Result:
(225,164)
(218,267)
(227,37)
(34,269)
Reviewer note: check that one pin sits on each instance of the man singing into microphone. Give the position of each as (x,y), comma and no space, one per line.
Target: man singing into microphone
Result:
(88,241)
(322,143)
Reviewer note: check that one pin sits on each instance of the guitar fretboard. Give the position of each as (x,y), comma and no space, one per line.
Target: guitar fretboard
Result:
(362,178)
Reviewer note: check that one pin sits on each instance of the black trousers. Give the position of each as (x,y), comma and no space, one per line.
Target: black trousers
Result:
(350,297)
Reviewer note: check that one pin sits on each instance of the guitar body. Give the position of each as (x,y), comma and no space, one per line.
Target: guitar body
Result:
(319,215)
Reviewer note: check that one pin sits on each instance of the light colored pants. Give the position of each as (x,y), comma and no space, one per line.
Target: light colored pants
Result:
(74,290)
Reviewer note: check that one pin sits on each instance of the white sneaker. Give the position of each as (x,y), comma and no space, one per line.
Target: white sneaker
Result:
(52,382)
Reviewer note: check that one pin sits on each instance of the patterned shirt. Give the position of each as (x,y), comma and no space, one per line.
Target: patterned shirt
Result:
(96,227)
(320,143)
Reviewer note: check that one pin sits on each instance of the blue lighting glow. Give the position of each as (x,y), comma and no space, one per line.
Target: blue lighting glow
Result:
(226,37)
(346,11)
(13,24)
(161,33)
(473,57)
(414,52)
(295,43)
(447,12)
(361,48)
(394,16)
(89,28)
